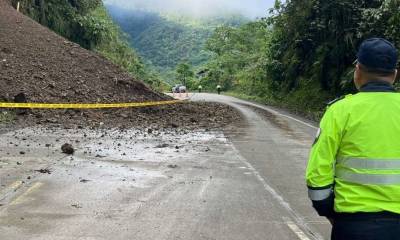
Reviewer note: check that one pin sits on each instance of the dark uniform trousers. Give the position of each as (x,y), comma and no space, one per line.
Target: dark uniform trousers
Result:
(367,227)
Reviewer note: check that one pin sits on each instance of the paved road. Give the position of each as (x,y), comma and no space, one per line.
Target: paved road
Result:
(276,144)
(245,184)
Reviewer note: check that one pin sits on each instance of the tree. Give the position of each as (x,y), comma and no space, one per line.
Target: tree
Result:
(301,56)
(184,73)
(239,58)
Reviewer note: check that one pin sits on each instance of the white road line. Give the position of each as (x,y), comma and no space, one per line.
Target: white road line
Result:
(22,198)
(297,230)
(240,101)
(293,118)
(12,188)
(279,114)
(293,214)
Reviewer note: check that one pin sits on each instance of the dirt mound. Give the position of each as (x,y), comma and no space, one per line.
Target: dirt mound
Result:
(37,65)
(48,68)
(185,115)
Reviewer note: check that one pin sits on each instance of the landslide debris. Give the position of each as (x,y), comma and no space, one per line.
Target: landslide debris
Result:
(175,117)
(67,149)
(37,65)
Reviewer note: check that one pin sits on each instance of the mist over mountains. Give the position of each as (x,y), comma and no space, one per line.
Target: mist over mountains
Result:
(198,8)
(164,40)
(166,33)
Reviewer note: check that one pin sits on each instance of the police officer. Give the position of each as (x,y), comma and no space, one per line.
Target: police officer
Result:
(353,174)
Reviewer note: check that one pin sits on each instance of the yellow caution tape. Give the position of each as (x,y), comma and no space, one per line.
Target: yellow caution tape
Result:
(84,105)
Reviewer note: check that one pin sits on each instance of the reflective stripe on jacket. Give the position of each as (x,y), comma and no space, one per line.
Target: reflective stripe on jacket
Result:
(356,156)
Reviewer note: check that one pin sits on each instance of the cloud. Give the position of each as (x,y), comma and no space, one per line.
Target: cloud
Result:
(199,8)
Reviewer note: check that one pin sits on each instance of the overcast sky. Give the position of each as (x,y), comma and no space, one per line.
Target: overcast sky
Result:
(198,8)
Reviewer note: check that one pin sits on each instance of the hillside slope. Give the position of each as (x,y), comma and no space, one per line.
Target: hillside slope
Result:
(164,41)
(48,68)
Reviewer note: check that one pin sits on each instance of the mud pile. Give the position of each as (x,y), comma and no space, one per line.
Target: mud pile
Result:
(48,68)
(185,115)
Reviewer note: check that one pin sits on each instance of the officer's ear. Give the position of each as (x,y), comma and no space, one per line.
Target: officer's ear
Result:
(393,77)
(357,76)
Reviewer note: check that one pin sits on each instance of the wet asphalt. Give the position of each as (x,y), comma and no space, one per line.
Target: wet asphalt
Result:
(247,183)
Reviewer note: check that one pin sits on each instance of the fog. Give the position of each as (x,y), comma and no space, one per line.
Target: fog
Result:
(199,8)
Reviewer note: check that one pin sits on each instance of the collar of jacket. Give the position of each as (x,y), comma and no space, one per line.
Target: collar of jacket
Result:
(377,86)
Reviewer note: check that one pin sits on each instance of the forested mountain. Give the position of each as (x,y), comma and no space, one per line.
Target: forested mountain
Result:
(164,41)
(301,56)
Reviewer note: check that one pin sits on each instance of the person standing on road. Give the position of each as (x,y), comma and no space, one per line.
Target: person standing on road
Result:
(219,89)
(353,174)
(200,88)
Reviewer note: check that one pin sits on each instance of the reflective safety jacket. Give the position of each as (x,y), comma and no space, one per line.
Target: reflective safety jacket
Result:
(355,159)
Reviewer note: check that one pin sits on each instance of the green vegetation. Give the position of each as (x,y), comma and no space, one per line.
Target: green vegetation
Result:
(165,45)
(87,23)
(164,41)
(239,55)
(185,74)
(301,56)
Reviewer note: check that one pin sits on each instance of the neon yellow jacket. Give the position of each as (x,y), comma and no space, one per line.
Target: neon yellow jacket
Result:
(356,157)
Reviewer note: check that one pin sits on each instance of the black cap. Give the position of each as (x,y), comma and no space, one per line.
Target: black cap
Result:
(378,55)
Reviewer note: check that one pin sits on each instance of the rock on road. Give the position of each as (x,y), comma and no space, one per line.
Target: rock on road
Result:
(242,184)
